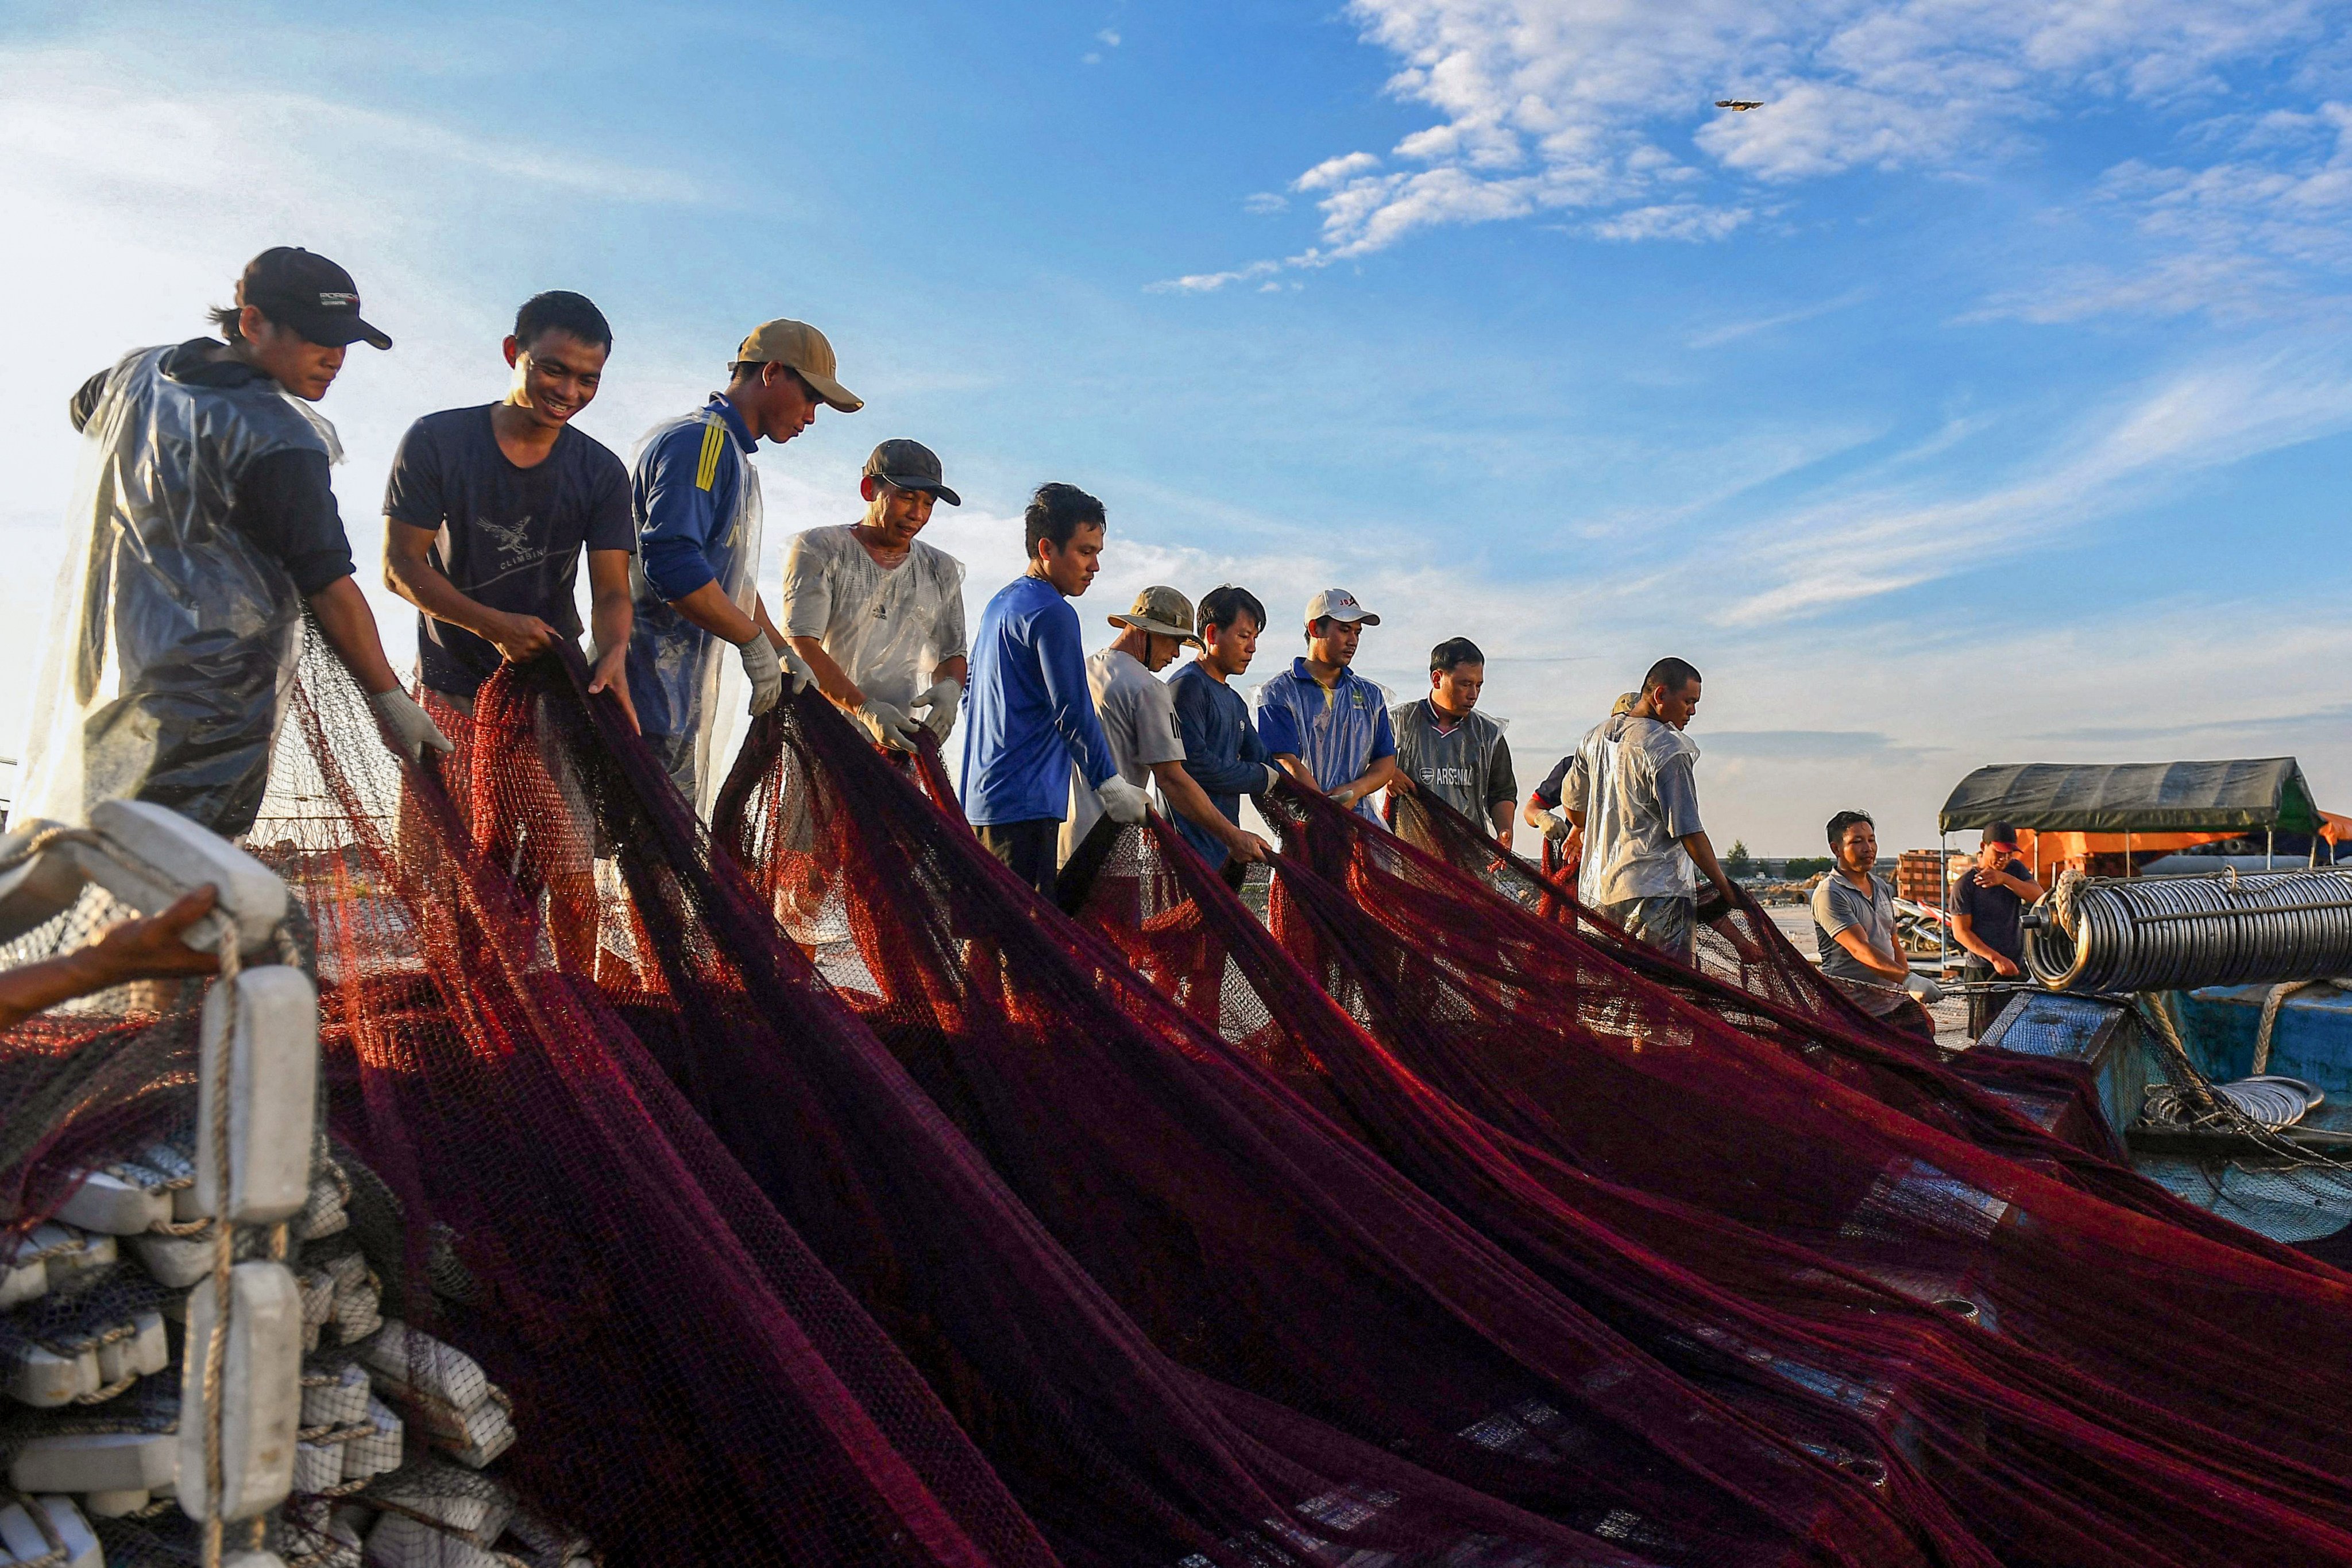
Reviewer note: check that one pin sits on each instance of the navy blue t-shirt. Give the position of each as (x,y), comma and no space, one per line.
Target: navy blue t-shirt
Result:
(510,538)
(1994,911)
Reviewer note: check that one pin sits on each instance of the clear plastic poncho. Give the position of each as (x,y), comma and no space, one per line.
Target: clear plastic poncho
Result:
(173,637)
(1628,851)
(694,672)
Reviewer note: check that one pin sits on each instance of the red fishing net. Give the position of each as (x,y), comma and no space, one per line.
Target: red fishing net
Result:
(1848,1219)
(827,1197)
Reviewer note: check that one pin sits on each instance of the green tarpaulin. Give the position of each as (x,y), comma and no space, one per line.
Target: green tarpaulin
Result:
(2135,797)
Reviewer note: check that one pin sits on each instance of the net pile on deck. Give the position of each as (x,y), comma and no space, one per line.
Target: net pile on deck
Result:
(2017,1371)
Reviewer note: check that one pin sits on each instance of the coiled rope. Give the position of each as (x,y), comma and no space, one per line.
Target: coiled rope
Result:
(2178,933)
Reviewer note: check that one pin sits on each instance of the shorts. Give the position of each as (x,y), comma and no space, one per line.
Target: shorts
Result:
(676,755)
(1668,924)
(1032,848)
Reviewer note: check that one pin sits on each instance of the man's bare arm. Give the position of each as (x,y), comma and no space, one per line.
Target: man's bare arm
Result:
(150,949)
(1184,793)
(1854,942)
(1369,783)
(409,572)
(1964,931)
(831,679)
(350,627)
(1701,850)
(612,619)
(709,608)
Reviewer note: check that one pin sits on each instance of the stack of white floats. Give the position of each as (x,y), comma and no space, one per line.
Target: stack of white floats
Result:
(344,1438)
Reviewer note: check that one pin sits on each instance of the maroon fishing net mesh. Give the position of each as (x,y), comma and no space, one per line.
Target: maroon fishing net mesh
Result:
(1948,1413)
(2065,1302)
(832,1199)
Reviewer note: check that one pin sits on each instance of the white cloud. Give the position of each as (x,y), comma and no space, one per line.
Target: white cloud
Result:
(1209,282)
(1107,39)
(1675,220)
(1554,105)
(1264,202)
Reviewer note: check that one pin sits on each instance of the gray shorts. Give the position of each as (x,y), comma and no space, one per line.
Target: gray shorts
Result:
(677,754)
(1668,924)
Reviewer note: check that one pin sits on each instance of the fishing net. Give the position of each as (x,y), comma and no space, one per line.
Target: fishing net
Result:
(1916,1386)
(1191,1434)
(2023,1263)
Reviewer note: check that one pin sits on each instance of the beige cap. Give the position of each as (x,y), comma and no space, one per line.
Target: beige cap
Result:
(804,348)
(1161,610)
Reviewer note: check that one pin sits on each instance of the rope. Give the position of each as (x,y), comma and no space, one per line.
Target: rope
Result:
(217,1341)
(40,844)
(57,1556)
(2271,1001)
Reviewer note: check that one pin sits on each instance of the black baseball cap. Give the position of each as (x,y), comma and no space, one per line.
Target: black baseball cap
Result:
(296,288)
(910,466)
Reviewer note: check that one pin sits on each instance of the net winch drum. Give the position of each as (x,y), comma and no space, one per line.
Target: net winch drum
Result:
(2179,933)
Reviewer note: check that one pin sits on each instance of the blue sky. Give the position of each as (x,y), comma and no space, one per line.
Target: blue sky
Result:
(1983,397)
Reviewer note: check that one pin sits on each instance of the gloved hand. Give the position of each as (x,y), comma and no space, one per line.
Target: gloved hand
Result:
(887,724)
(1121,801)
(765,671)
(944,699)
(796,669)
(1556,826)
(413,728)
(1925,989)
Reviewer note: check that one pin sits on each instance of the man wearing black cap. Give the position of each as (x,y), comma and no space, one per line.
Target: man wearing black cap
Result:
(209,526)
(876,613)
(1985,906)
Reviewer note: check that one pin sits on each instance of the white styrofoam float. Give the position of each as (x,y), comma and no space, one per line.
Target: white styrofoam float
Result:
(270,1021)
(261,1392)
(149,856)
(97,1462)
(21,1541)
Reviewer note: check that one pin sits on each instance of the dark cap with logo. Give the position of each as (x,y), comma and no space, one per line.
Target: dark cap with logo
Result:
(296,288)
(910,466)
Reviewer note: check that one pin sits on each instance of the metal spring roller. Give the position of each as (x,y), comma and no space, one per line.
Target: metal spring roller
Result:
(2177,933)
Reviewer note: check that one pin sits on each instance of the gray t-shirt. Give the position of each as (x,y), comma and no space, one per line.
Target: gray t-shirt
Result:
(1838,906)
(1631,779)
(1468,767)
(1138,718)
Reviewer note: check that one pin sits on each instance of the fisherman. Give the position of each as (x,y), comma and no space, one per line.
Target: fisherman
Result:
(1563,840)
(697,503)
(1033,719)
(1223,753)
(1447,750)
(1986,905)
(1631,790)
(1139,718)
(1323,724)
(1853,926)
(878,614)
(489,508)
(209,526)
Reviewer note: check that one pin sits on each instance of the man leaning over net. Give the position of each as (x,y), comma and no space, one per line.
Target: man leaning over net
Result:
(206,527)
(876,613)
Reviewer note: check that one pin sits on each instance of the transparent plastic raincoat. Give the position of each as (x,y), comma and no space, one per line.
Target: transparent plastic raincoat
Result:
(173,637)
(678,673)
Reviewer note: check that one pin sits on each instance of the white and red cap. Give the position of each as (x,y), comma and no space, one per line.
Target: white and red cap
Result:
(1339,605)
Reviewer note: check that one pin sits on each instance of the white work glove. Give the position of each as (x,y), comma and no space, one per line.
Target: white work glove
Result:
(764,669)
(796,669)
(1922,987)
(944,699)
(1122,801)
(1555,827)
(413,728)
(887,724)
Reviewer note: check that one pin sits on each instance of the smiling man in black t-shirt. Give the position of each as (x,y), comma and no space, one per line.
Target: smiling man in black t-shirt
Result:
(489,508)
(1985,908)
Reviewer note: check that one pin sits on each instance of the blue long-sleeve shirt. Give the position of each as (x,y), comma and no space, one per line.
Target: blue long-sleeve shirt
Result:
(684,490)
(1029,717)
(1222,751)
